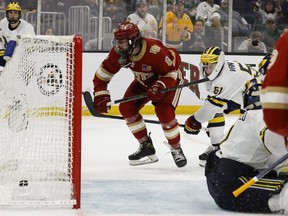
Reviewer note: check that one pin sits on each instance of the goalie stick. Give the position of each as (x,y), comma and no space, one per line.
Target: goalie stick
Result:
(252,181)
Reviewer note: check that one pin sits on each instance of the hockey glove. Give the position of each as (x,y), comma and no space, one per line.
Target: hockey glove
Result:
(154,93)
(192,126)
(101,98)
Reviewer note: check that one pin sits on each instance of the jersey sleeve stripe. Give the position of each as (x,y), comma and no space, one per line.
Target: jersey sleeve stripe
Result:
(217,101)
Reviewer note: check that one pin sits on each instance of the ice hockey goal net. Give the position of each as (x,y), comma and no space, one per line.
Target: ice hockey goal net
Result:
(40,123)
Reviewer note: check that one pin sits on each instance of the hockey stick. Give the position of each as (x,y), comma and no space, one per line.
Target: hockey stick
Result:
(252,181)
(89,103)
(137,97)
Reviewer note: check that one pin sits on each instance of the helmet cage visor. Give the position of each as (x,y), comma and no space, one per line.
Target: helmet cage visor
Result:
(125,39)
(122,46)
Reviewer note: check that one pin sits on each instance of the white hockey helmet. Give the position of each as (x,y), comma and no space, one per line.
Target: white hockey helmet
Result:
(212,62)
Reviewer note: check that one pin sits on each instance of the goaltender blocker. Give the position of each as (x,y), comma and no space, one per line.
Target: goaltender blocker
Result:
(155,67)
(248,148)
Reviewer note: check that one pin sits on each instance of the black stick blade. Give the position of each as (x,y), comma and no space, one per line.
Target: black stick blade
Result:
(89,103)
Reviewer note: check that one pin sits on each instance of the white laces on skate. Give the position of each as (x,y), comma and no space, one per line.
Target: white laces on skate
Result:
(176,152)
(177,155)
(138,150)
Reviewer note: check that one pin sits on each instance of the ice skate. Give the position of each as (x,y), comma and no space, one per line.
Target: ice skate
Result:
(203,157)
(178,156)
(144,155)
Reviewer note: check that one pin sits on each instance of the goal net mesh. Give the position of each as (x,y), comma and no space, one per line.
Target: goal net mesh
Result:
(36,123)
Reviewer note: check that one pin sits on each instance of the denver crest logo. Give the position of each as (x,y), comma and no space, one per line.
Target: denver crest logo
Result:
(154,49)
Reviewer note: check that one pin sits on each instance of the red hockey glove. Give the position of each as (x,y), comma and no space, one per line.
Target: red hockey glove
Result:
(192,126)
(101,98)
(154,93)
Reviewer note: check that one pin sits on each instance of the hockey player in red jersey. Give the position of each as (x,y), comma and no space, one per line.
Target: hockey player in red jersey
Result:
(155,67)
(274,96)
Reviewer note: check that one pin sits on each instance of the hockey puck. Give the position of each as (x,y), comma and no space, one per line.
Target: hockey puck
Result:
(23,183)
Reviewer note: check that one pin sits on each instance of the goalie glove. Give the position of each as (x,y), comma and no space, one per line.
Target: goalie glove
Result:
(192,126)
(154,93)
(101,99)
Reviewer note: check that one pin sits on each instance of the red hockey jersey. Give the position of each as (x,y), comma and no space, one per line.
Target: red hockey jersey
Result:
(274,94)
(155,61)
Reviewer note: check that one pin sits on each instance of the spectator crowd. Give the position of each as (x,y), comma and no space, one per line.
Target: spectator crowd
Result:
(191,25)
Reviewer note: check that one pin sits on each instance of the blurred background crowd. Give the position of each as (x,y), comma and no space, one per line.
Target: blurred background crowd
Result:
(238,26)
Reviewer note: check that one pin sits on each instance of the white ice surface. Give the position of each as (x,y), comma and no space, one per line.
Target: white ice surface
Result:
(110,186)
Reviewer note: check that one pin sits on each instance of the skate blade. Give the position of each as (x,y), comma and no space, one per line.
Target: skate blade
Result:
(146,160)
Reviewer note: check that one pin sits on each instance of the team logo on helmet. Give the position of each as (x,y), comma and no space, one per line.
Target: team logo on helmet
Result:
(13,6)
(126,30)
(210,55)
(212,59)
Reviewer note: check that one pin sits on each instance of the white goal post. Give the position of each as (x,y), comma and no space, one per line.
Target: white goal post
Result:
(40,123)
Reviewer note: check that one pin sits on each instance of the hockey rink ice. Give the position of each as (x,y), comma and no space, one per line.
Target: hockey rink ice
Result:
(110,186)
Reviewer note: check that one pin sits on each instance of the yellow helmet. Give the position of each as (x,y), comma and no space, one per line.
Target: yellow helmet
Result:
(212,55)
(13,6)
(263,65)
